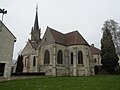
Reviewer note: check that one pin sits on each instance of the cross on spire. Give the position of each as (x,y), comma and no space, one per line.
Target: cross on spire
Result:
(36,7)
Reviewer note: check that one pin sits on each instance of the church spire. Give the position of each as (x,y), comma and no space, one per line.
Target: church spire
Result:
(36,31)
(36,25)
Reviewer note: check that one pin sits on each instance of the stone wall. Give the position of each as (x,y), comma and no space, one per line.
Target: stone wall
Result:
(28,63)
(66,68)
(97,60)
(6,49)
(28,53)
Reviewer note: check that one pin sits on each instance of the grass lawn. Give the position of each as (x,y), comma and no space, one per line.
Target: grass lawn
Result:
(99,82)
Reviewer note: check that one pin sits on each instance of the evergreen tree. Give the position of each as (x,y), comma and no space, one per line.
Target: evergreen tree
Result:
(19,67)
(109,58)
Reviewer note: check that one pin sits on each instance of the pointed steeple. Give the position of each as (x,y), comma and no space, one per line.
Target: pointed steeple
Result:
(36,25)
(36,31)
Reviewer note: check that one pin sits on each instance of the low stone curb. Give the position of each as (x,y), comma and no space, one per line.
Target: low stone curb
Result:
(2,79)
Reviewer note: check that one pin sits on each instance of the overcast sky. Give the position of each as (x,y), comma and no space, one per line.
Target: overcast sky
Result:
(86,16)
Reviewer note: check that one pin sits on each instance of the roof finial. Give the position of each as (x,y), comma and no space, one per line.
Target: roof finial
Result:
(36,7)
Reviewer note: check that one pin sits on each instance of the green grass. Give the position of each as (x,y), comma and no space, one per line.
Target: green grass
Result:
(99,82)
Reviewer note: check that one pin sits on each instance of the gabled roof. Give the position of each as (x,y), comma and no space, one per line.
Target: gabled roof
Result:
(72,38)
(94,50)
(28,49)
(34,44)
(1,23)
(58,36)
(75,38)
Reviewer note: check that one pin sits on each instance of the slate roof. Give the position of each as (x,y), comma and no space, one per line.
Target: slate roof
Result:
(75,38)
(36,25)
(94,50)
(34,44)
(72,38)
(58,36)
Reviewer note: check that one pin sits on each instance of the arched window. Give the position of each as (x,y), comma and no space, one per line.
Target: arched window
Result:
(46,57)
(71,58)
(34,61)
(80,57)
(60,57)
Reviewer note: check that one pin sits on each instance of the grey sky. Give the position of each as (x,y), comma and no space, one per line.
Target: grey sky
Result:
(86,16)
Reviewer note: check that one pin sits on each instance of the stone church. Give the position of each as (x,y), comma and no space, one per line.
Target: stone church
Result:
(57,54)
